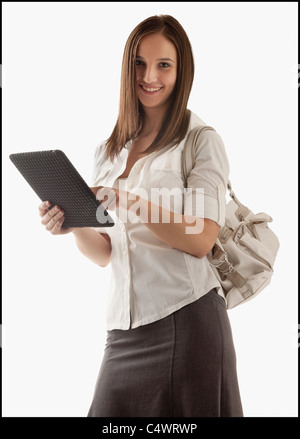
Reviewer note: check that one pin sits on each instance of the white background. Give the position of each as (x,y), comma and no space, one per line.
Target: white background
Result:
(61,79)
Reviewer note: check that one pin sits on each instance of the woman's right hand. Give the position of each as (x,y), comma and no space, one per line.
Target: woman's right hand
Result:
(53,219)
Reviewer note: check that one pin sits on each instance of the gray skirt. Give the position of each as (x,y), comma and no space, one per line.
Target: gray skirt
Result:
(183,365)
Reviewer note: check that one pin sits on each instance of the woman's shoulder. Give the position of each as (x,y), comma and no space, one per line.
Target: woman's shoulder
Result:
(209,142)
(195,121)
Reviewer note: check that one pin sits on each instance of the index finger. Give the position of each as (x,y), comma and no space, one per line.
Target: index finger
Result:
(95,189)
(44,206)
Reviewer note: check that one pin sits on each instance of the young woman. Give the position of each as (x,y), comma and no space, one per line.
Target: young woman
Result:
(169,349)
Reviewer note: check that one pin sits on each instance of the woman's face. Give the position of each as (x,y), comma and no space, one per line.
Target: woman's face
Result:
(156,67)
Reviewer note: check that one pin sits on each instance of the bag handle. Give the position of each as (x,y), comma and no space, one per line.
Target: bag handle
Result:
(189,160)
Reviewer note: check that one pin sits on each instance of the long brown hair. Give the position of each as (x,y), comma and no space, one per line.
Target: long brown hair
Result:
(130,120)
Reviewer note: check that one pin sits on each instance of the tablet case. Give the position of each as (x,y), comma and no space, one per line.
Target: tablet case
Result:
(53,177)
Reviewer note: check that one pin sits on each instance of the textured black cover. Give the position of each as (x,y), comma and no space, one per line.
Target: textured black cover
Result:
(53,177)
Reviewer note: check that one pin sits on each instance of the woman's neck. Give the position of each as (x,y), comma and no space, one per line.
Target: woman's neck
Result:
(153,118)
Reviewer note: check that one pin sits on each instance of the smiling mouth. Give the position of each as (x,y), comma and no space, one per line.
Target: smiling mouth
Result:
(150,90)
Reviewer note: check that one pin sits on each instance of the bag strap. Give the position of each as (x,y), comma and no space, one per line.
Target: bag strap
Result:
(189,160)
(220,261)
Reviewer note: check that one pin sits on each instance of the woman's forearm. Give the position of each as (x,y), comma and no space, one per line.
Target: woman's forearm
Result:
(93,245)
(179,231)
(191,234)
(188,233)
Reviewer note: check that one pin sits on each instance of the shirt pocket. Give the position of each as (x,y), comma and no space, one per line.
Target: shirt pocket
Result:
(165,170)
(166,181)
(168,161)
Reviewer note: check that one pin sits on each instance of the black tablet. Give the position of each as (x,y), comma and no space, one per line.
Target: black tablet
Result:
(53,177)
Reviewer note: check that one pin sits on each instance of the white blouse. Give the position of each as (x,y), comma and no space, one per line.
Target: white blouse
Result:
(150,279)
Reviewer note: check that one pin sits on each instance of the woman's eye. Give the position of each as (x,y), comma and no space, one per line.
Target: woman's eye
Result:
(163,65)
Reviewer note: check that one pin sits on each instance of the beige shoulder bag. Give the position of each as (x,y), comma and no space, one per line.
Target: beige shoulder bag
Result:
(244,253)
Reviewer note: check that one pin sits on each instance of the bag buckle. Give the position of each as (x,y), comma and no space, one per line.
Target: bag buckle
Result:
(229,268)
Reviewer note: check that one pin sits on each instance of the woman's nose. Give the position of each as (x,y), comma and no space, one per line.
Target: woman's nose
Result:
(150,74)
